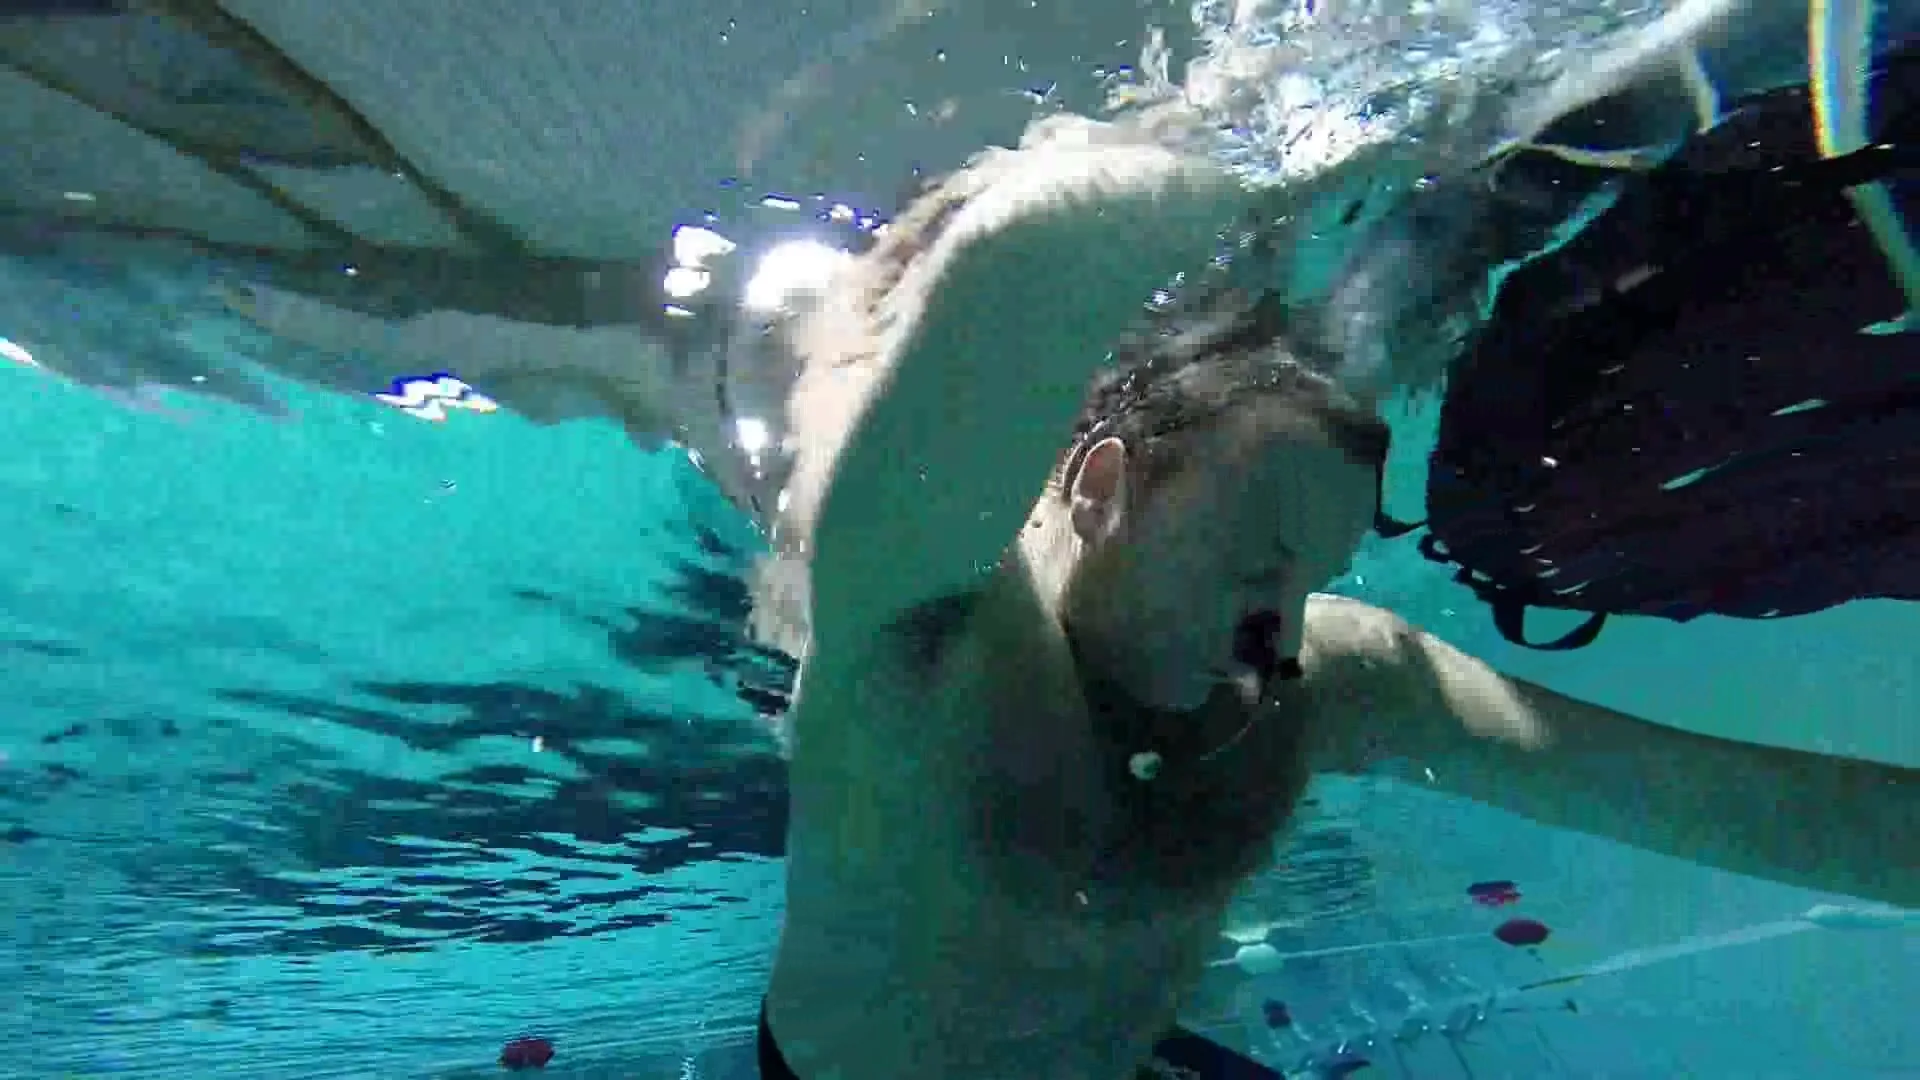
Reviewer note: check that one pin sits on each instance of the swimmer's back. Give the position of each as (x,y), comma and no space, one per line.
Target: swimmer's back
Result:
(939,920)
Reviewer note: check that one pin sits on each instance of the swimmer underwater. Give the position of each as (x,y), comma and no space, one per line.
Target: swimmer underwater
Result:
(1055,706)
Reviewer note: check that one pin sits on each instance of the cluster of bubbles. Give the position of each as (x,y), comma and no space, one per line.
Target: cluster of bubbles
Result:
(1299,86)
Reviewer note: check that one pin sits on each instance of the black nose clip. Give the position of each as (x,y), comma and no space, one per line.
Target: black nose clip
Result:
(1253,642)
(1253,645)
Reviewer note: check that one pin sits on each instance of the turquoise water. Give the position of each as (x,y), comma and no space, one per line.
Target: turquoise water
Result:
(349,745)
(340,744)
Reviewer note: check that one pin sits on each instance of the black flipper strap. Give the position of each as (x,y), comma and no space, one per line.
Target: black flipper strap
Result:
(1384,523)
(1510,618)
(1390,527)
(1510,607)
(1867,165)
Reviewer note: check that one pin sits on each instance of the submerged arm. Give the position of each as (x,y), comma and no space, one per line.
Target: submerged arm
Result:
(987,346)
(1807,819)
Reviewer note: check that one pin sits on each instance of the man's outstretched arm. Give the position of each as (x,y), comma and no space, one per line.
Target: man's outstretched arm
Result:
(1830,823)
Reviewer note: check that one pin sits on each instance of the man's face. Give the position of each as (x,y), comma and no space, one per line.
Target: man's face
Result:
(1225,547)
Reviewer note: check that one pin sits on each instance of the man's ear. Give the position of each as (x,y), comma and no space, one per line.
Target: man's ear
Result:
(1099,496)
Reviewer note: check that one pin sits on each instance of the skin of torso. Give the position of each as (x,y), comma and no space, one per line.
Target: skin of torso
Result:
(972,890)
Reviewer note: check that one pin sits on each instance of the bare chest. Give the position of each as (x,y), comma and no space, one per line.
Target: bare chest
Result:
(973,853)
(973,728)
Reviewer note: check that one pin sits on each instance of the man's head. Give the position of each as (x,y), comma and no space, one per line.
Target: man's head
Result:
(1213,482)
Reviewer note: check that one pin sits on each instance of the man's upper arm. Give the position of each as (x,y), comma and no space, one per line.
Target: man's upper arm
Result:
(992,337)
(1806,819)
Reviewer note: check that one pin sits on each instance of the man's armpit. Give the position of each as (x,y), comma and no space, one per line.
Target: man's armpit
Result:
(926,633)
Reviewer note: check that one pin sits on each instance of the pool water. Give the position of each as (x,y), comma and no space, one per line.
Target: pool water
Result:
(341,744)
(300,713)
(336,743)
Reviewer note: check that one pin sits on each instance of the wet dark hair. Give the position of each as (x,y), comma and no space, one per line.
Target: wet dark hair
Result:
(1184,371)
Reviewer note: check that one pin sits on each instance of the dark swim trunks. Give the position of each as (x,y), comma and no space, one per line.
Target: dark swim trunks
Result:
(1180,1056)
(1186,1056)
(773,1064)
